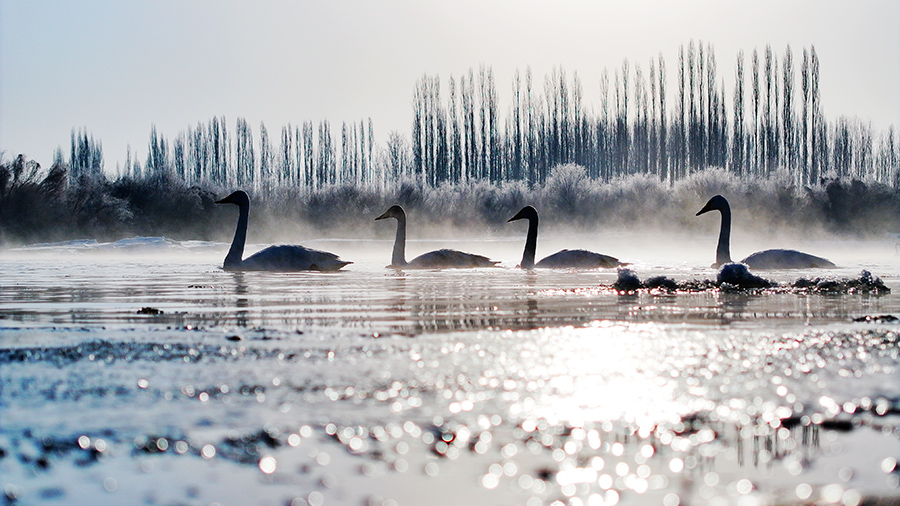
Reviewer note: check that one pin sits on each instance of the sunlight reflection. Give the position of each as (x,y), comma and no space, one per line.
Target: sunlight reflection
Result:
(608,372)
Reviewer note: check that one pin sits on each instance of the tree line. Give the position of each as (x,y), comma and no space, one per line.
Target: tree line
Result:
(305,156)
(773,121)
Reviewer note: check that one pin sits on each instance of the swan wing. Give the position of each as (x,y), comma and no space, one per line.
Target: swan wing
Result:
(292,258)
(578,259)
(786,259)
(449,258)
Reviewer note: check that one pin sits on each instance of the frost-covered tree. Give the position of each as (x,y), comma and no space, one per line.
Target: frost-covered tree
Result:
(266,172)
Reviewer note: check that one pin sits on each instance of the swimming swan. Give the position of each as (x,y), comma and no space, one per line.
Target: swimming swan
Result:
(273,258)
(567,258)
(442,258)
(768,259)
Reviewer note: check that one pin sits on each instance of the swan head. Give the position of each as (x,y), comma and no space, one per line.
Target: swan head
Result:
(395,211)
(239,198)
(717,203)
(526,212)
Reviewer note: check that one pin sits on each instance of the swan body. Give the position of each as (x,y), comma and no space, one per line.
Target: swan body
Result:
(768,259)
(273,258)
(439,259)
(786,259)
(564,259)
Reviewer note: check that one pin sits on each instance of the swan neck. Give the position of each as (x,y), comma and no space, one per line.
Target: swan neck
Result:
(236,253)
(530,244)
(723,250)
(398,257)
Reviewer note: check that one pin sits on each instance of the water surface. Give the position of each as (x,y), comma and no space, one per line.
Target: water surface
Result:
(141,373)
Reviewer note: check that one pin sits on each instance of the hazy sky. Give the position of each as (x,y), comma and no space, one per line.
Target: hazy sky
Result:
(117,67)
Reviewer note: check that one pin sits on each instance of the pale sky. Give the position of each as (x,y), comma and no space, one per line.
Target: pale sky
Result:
(116,67)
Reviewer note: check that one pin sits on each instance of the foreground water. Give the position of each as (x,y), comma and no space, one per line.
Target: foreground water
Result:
(141,373)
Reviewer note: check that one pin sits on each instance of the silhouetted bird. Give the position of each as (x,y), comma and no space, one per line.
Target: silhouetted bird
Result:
(768,259)
(567,258)
(273,258)
(442,258)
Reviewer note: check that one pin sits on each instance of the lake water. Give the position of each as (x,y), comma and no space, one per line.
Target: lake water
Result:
(139,372)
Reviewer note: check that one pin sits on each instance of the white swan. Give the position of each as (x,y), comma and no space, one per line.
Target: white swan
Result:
(768,259)
(442,258)
(273,258)
(567,258)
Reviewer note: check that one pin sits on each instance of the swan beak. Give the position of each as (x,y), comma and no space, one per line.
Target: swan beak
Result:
(707,208)
(223,201)
(386,215)
(518,216)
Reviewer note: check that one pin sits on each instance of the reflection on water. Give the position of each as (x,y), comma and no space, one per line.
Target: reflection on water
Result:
(538,386)
(242,315)
(384,301)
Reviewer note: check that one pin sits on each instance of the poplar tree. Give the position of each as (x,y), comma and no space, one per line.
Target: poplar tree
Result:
(756,115)
(455,144)
(818,147)
(265,174)
(515,131)
(788,152)
(663,127)
(681,112)
(325,163)
(287,157)
(653,134)
(531,135)
(738,136)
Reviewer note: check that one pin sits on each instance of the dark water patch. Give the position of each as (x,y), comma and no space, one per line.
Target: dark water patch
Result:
(111,351)
(153,444)
(129,351)
(63,391)
(40,452)
(243,448)
(248,448)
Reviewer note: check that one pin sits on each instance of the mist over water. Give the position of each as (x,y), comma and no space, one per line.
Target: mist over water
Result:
(765,211)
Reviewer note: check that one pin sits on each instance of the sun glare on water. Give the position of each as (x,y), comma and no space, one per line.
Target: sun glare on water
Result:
(605,371)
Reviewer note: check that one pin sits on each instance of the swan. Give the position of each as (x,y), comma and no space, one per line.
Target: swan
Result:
(273,258)
(567,258)
(442,258)
(768,259)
